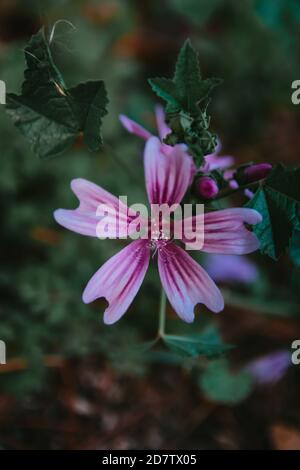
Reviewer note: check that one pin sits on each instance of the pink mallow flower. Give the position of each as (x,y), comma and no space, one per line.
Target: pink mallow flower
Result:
(184,281)
(212,161)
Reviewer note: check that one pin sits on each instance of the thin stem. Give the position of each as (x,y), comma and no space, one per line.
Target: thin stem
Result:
(233,191)
(162,314)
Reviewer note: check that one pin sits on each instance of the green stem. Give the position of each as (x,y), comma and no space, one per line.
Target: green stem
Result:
(233,191)
(162,314)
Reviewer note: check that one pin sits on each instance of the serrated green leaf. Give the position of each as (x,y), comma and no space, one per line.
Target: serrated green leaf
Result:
(187,97)
(187,77)
(90,100)
(206,87)
(40,65)
(166,89)
(277,200)
(207,344)
(295,248)
(222,385)
(49,128)
(49,115)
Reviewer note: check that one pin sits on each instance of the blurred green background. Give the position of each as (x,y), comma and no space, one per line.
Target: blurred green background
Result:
(70,381)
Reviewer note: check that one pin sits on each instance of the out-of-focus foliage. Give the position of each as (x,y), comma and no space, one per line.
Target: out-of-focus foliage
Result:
(223,385)
(198,12)
(274,13)
(295,248)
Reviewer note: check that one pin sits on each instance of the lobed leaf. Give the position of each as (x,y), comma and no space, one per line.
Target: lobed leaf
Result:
(278,201)
(207,344)
(187,98)
(48,114)
(222,385)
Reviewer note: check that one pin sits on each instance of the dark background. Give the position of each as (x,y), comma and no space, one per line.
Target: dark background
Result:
(71,382)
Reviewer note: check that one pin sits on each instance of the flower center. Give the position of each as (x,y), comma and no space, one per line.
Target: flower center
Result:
(159,235)
(159,231)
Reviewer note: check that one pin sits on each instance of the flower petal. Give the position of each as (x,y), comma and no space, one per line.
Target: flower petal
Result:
(225,231)
(232,269)
(77,221)
(167,175)
(119,280)
(271,368)
(215,162)
(86,218)
(186,283)
(163,129)
(134,128)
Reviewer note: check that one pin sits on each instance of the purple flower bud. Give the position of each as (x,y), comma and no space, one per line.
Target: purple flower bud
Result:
(257,172)
(269,369)
(231,269)
(206,187)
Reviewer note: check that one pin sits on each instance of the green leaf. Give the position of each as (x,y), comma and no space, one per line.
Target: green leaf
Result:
(45,133)
(190,86)
(187,89)
(40,65)
(187,98)
(277,200)
(295,248)
(166,89)
(48,114)
(207,343)
(187,77)
(90,103)
(222,385)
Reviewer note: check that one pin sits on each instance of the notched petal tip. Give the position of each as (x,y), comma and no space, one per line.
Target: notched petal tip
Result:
(219,306)
(253,217)
(59,216)
(119,279)
(86,298)
(188,318)
(108,319)
(77,183)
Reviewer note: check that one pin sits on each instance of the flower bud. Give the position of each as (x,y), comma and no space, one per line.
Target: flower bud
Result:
(206,187)
(257,172)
